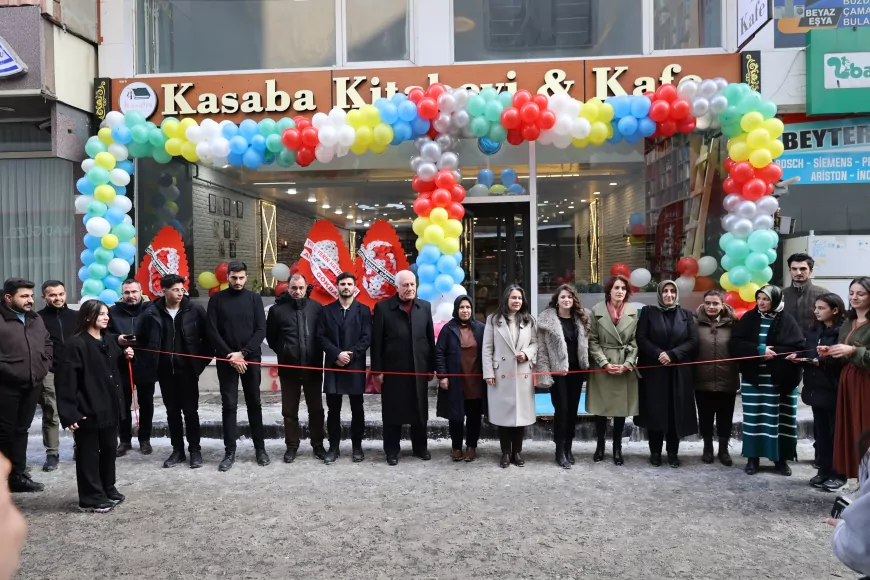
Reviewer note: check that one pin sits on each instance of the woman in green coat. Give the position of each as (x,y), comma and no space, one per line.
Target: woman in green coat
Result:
(612,349)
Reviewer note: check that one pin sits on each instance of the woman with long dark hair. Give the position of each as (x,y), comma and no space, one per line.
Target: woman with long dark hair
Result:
(509,350)
(89,402)
(563,351)
(612,392)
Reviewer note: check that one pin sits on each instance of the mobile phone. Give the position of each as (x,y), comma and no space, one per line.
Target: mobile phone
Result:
(840,504)
(128,337)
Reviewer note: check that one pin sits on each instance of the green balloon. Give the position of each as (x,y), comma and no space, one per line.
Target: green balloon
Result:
(94,146)
(733,93)
(284,124)
(286,158)
(506,98)
(761,241)
(724,241)
(97,175)
(730,115)
(497,133)
(150,125)
(139,133)
(732,129)
(97,209)
(268,157)
(756,261)
(739,276)
(92,287)
(763,276)
(492,111)
(738,250)
(273,143)
(97,271)
(139,150)
(750,103)
(156,137)
(476,105)
(161,156)
(767,109)
(103,256)
(728,262)
(133,118)
(771,256)
(267,127)
(124,231)
(489,94)
(480,126)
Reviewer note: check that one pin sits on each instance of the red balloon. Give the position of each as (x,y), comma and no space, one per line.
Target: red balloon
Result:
(441,198)
(281,287)
(547,120)
(514,137)
(542,101)
(436,90)
(729,163)
(445,179)
(457,193)
(638,230)
(303,123)
(530,132)
(214,290)
(309,137)
(687,266)
(680,109)
(423,207)
(742,172)
(704,283)
(510,118)
(299,119)
(427,108)
(560,280)
(754,189)
(770,189)
(530,112)
(687,125)
(730,185)
(222,273)
(415,94)
(426,194)
(305,156)
(771,173)
(659,111)
(634,289)
(667,129)
(733,299)
(521,97)
(419,185)
(455,211)
(291,138)
(620,269)
(739,312)
(667,93)
(432,133)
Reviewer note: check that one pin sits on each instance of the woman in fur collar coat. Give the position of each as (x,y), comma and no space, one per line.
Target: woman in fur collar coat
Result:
(563,351)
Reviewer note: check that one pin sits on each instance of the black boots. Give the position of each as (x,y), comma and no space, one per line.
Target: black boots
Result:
(290,455)
(707,456)
(723,455)
(123,448)
(262,457)
(145,448)
(174,459)
(331,455)
(50,463)
(320,452)
(782,468)
(673,460)
(568,455)
(357,456)
(505,460)
(195,459)
(228,461)
(598,456)
(655,459)
(617,454)
(561,460)
(115,496)
(22,483)
(751,466)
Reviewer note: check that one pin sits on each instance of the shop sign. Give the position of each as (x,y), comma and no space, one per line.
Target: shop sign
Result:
(838,71)
(750,69)
(795,18)
(102,97)
(10,64)
(751,16)
(832,151)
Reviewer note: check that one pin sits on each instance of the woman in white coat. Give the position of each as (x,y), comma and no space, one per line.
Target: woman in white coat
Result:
(509,350)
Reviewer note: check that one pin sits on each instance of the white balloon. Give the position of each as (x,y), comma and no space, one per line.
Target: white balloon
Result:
(338,117)
(82,202)
(98,226)
(559,103)
(328,136)
(114,118)
(746,209)
(708,88)
(323,153)
(121,202)
(320,120)
(731,201)
(86,298)
(346,135)
(220,147)
(562,141)
(430,151)
(119,177)
(416,162)
(687,89)
(449,160)
(572,109)
(741,228)
(446,142)
(685,284)
(118,151)
(441,122)
(118,267)
(461,119)
(700,106)
(763,222)
(547,137)
(446,102)
(341,150)
(767,205)
(728,221)
(704,122)
(640,277)
(128,220)
(718,104)
(194,134)
(210,129)
(427,171)
(580,128)
(217,161)
(88,164)
(461,98)
(707,265)
(721,83)
(443,312)
(563,124)
(203,150)
(281,272)
(170,193)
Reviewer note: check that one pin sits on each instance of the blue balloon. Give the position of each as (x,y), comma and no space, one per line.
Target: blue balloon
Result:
(621,106)
(443,283)
(248,128)
(252,159)
(446,264)
(258,143)
(508,177)
(617,136)
(235,159)
(87,257)
(239,144)
(646,127)
(112,282)
(83,273)
(427,292)
(516,189)
(399,98)
(632,139)
(389,112)
(121,134)
(635,219)
(177,225)
(485,177)
(427,273)
(126,165)
(229,130)
(108,296)
(114,216)
(640,106)
(407,111)
(92,242)
(458,257)
(85,186)
(458,275)
(402,131)
(414,268)
(86,218)
(420,126)
(627,125)
(487,146)
(429,254)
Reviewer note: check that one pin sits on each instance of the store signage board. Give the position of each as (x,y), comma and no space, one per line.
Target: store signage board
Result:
(795,18)
(838,71)
(10,64)
(751,16)
(831,151)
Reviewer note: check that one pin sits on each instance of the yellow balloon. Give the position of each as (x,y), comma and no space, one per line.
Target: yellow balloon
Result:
(208,280)
(580,143)
(439,216)
(598,134)
(173,146)
(420,243)
(377,148)
(775,127)
(359,148)
(109,241)
(132,241)
(758,139)
(497,188)
(105,135)
(589,111)
(434,234)
(184,126)
(171,206)
(225,285)
(747,291)
(104,193)
(449,246)
(105,160)
(725,282)
(420,225)
(741,138)
(354,118)
(605,113)
(776,148)
(371,116)
(383,134)
(760,158)
(365,136)
(751,121)
(738,151)
(188,151)
(453,229)
(170,128)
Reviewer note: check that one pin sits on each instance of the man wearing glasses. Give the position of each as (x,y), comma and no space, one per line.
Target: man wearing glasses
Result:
(176,326)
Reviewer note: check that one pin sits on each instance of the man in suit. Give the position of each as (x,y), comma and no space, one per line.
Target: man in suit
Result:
(403,341)
(345,333)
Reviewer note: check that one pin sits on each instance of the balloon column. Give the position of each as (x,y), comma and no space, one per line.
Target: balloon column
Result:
(215,281)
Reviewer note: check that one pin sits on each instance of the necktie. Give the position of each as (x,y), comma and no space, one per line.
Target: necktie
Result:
(343,313)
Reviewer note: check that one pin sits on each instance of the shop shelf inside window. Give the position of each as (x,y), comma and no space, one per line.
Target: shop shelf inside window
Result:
(552,24)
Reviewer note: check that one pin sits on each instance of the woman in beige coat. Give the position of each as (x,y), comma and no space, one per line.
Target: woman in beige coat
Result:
(612,390)
(509,350)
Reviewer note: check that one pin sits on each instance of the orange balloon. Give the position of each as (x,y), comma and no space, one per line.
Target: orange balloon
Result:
(703,283)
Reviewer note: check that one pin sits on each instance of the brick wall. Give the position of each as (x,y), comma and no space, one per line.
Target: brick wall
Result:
(292,227)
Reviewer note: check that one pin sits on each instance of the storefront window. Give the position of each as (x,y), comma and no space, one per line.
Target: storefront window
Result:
(377,30)
(485,30)
(680,24)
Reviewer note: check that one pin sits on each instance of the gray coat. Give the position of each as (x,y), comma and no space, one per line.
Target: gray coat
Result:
(801,302)
(609,395)
(552,348)
(511,400)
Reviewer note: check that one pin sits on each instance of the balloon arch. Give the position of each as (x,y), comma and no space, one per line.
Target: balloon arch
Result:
(435,119)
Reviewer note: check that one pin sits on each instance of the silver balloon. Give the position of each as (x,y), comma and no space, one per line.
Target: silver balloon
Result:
(431,151)
(708,88)
(461,119)
(742,228)
(457,175)
(427,171)
(449,160)
(746,209)
(420,141)
(442,122)
(731,201)
(455,132)
(728,221)
(767,205)
(716,123)
(416,162)
(720,83)
(446,102)
(763,222)
(700,106)
(461,98)
(704,122)
(718,104)
(687,89)
(478,190)
(446,142)
(467,134)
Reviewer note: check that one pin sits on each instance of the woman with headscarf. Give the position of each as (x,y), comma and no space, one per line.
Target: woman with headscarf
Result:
(666,336)
(769,382)
(462,393)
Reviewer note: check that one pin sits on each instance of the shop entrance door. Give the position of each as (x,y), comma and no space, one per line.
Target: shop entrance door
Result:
(495,252)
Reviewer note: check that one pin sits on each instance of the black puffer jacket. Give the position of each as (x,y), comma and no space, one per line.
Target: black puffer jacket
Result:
(291,331)
(187,334)
(123,320)
(60,324)
(88,382)
(820,381)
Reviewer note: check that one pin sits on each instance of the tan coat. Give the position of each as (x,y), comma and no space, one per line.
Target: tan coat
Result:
(511,400)
(608,395)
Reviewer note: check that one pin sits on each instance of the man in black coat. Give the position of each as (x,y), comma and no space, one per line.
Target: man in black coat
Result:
(291,331)
(122,320)
(403,341)
(345,334)
(60,322)
(177,326)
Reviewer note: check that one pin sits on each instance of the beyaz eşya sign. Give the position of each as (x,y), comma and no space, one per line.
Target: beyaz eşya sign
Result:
(847,70)
(751,16)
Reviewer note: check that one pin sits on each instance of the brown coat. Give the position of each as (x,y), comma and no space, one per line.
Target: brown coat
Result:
(719,377)
(25,349)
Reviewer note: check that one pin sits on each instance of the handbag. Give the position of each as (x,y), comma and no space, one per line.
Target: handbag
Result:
(373,385)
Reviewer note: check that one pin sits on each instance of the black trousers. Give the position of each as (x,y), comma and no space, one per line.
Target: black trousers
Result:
(229,385)
(718,406)
(473,417)
(357,421)
(823,422)
(565,394)
(295,384)
(181,396)
(393,438)
(95,463)
(601,429)
(17,408)
(657,437)
(145,398)
(511,439)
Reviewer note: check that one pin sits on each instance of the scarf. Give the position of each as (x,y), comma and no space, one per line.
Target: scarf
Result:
(777,304)
(615,313)
(660,289)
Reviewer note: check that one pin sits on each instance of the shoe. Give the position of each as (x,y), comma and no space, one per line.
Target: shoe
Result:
(470,454)
(673,460)
(834,483)
(505,460)
(655,459)
(518,460)
(568,455)
(50,463)
(122,449)
(561,460)
(818,479)
(456,455)
(392,459)
(617,456)
(145,448)
(332,455)
(424,455)
(174,459)
(262,457)
(782,468)
(707,456)
(598,456)
(115,496)
(22,483)
(290,455)
(100,508)
(228,461)
(357,456)
(751,466)
(320,452)
(723,455)
(195,459)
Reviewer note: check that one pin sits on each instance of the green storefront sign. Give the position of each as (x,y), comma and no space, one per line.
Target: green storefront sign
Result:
(838,71)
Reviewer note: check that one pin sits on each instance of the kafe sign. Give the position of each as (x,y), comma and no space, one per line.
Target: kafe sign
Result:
(838,71)
(751,16)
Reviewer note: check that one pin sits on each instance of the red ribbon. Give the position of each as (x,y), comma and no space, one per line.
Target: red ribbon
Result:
(133,391)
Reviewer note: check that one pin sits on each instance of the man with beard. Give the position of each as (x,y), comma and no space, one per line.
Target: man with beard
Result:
(291,333)
(123,317)
(60,322)
(27,356)
(175,325)
(345,333)
(237,322)
(801,295)
(403,341)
